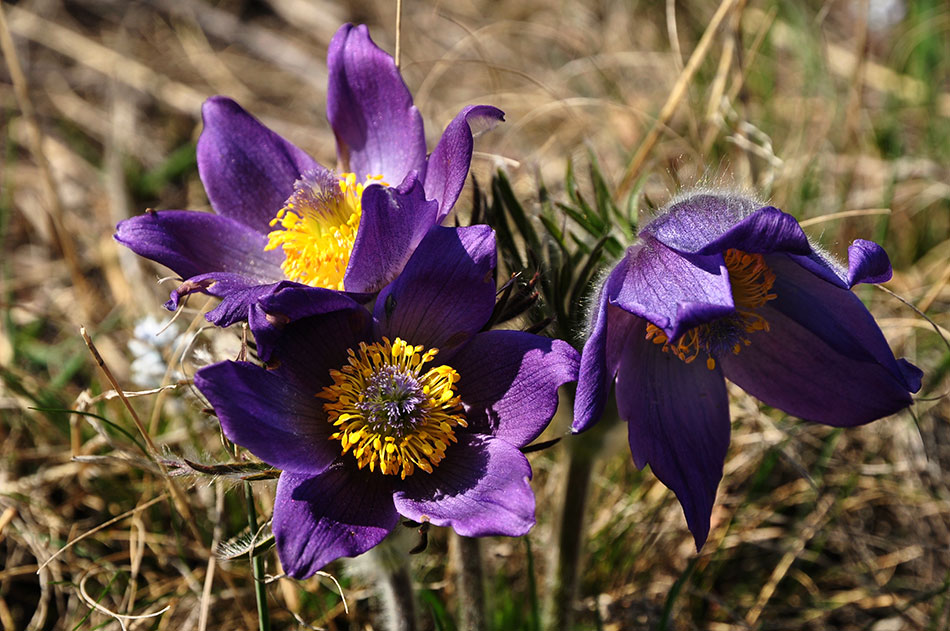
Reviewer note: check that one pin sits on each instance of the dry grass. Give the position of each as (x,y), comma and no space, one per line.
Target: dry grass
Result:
(840,121)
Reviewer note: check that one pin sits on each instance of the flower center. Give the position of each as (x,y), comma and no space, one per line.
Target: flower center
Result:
(392,411)
(318,226)
(751,281)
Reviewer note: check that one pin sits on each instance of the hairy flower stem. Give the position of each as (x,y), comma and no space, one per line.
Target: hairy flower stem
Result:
(565,561)
(386,568)
(257,564)
(396,595)
(470,583)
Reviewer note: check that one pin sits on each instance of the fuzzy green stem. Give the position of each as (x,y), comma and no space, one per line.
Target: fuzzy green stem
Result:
(564,564)
(399,604)
(387,568)
(257,564)
(470,583)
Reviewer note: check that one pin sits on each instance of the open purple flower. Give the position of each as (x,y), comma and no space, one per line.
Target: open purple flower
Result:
(278,215)
(718,286)
(412,410)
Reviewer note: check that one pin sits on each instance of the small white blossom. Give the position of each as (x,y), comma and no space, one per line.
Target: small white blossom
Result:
(152,340)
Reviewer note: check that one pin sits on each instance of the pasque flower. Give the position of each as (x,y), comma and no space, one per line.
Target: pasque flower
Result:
(412,410)
(718,286)
(279,215)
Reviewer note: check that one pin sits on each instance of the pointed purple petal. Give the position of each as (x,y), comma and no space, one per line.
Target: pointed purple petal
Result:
(833,314)
(824,358)
(796,371)
(335,514)
(278,419)
(392,225)
(710,224)
(480,489)
(378,129)
(700,217)
(248,170)
(669,290)
(509,382)
(594,378)
(310,344)
(599,359)
(868,263)
(238,295)
(678,421)
(446,292)
(449,162)
(192,243)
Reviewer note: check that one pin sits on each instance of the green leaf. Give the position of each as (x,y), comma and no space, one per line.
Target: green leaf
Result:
(506,243)
(606,208)
(501,188)
(109,423)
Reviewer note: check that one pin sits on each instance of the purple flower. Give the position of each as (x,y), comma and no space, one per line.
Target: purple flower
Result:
(720,287)
(412,410)
(278,215)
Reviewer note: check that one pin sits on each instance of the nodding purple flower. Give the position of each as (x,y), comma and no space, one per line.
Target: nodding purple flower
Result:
(279,215)
(717,286)
(412,410)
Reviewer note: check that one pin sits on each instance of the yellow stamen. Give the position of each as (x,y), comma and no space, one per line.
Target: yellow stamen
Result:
(751,281)
(392,412)
(318,226)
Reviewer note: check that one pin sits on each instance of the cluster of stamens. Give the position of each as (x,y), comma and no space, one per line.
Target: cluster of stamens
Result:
(751,281)
(393,412)
(318,226)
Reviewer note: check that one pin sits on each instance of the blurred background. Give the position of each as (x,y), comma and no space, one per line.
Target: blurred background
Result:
(837,112)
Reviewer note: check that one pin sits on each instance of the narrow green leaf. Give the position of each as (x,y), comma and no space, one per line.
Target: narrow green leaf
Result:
(506,243)
(501,187)
(440,617)
(674,594)
(569,182)
(581,220)
(109,423)
(606,209)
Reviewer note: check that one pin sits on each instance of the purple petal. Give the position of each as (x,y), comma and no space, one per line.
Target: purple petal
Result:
(868,263)
(310,346)
(824,358)
(391,226)
(509,382)
(599,362)
(238,295)
(449,162)
(247,170)
(446,292)
(192,243)
(700,217)
(278,419)
(595,376)
(834,314)
(335,514)
(480,489)
(671,291)
(710,224)
(678,421)
(378,129)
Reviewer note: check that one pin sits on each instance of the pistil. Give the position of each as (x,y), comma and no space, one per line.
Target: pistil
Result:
(393,409)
